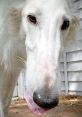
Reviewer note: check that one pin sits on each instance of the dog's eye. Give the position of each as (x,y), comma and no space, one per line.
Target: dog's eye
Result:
(65,24)
(32,19)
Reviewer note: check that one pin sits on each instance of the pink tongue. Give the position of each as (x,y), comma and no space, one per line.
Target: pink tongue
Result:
(32,105)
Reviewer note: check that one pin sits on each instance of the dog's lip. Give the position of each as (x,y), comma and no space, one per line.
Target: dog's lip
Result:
(32,105)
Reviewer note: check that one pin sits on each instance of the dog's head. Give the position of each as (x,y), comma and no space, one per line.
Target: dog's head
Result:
(48,26)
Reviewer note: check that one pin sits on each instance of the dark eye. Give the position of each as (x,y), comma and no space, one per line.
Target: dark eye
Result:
(65,24)
(32,19)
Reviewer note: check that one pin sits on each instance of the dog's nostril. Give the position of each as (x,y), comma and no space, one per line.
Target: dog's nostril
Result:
(44,101)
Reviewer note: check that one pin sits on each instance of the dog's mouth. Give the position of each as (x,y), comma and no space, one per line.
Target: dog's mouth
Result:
(32,105)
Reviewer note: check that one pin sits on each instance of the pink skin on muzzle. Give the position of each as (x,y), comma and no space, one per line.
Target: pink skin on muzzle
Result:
(32,105)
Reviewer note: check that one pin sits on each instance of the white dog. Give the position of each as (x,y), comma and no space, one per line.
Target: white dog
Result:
(32,35)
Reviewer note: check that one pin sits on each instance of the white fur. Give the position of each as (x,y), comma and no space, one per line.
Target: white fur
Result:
(38,46)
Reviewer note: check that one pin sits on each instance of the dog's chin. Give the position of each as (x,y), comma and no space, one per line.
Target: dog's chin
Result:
(32,105)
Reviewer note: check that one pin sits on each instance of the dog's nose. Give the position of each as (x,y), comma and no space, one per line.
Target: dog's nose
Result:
(45,101)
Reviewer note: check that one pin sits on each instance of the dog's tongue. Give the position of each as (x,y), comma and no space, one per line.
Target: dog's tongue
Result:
(32,105)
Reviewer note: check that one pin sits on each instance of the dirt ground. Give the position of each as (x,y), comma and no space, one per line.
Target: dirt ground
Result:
(69,106)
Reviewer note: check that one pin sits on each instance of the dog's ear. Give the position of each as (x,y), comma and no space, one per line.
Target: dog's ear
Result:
(15,18)
(71,34)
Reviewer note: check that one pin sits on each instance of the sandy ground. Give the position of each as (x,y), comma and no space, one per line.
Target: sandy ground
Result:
(69,106)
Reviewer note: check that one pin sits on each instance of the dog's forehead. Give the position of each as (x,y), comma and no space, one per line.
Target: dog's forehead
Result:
(48,2)
(46,5)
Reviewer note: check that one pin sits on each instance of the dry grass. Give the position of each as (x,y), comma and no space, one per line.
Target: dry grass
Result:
(69,106)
